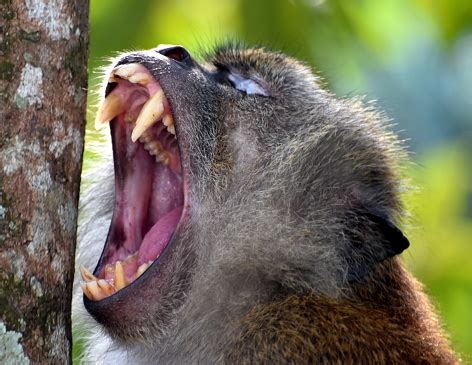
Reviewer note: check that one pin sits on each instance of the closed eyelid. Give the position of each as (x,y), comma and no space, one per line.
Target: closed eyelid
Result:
(248,86)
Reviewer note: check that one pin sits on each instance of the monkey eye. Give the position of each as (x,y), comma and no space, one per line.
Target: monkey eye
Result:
(248,86)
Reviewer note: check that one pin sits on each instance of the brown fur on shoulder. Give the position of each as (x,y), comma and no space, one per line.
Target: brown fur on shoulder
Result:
(386,321)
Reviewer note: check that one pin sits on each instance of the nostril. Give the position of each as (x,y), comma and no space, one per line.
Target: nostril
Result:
(176,53)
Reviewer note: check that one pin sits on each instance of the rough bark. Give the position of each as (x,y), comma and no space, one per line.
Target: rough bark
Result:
(43,77)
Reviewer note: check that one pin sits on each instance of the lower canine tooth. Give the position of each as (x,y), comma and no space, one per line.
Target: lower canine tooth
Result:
(120,280)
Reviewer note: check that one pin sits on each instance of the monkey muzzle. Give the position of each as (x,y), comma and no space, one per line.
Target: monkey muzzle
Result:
(149,183)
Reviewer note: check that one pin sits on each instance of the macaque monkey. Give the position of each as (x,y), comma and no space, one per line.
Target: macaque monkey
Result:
(249,217)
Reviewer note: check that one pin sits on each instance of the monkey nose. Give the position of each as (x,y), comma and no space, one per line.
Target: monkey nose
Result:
(176,53)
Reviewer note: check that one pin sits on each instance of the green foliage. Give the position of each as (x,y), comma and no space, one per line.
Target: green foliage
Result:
(440,233)
(406,53)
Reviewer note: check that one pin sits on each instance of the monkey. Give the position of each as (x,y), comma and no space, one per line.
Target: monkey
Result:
(249,216)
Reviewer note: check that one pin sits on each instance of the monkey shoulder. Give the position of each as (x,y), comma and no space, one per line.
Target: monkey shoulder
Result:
(317,330)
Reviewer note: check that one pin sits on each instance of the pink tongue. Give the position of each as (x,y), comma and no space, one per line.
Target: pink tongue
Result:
(158,236)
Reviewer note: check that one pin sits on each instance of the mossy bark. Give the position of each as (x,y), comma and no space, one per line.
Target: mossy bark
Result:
(43,80)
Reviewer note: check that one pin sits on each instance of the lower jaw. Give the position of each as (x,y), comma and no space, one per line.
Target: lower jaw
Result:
(149,300)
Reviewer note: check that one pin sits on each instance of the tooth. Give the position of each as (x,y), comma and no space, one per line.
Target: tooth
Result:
(140,78)
(133,72)
(120,280)
(141,270)
(149,114)
(145,137)
(95,291)
(162,157)
(167,120)
(86,275)
(106,287)
(131,258)
(171,129)
(129,118)
(153,147)
(86,291)
(145,140)
(112,106)
(125,71)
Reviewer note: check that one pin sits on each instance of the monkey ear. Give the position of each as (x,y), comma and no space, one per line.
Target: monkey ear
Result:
(372,239)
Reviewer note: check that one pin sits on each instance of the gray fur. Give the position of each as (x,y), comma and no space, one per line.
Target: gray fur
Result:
(272,183)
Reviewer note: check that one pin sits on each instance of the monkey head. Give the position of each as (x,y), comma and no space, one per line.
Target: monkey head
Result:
(236,180)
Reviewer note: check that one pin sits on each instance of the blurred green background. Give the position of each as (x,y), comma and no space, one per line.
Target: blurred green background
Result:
(413,56)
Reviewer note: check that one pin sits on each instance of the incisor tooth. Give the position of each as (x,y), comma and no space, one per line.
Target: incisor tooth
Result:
(140,78)
(120,280)
(110,108)
(106,287)
(126,70)
(133,72)
(86,275)
(149,114)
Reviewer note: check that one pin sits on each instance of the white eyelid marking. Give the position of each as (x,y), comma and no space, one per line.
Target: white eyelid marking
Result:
(247,85)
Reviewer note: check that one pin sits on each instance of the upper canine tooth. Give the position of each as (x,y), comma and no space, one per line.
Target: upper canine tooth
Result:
(112,106)
(149,114)
(133,72)
(171,129)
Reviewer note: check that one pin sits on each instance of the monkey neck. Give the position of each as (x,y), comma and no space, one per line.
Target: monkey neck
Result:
(294,327)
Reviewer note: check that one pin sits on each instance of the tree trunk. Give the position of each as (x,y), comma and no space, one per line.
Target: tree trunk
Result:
(43,79)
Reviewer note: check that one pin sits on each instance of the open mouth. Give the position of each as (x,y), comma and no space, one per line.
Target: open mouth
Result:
(149,186)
